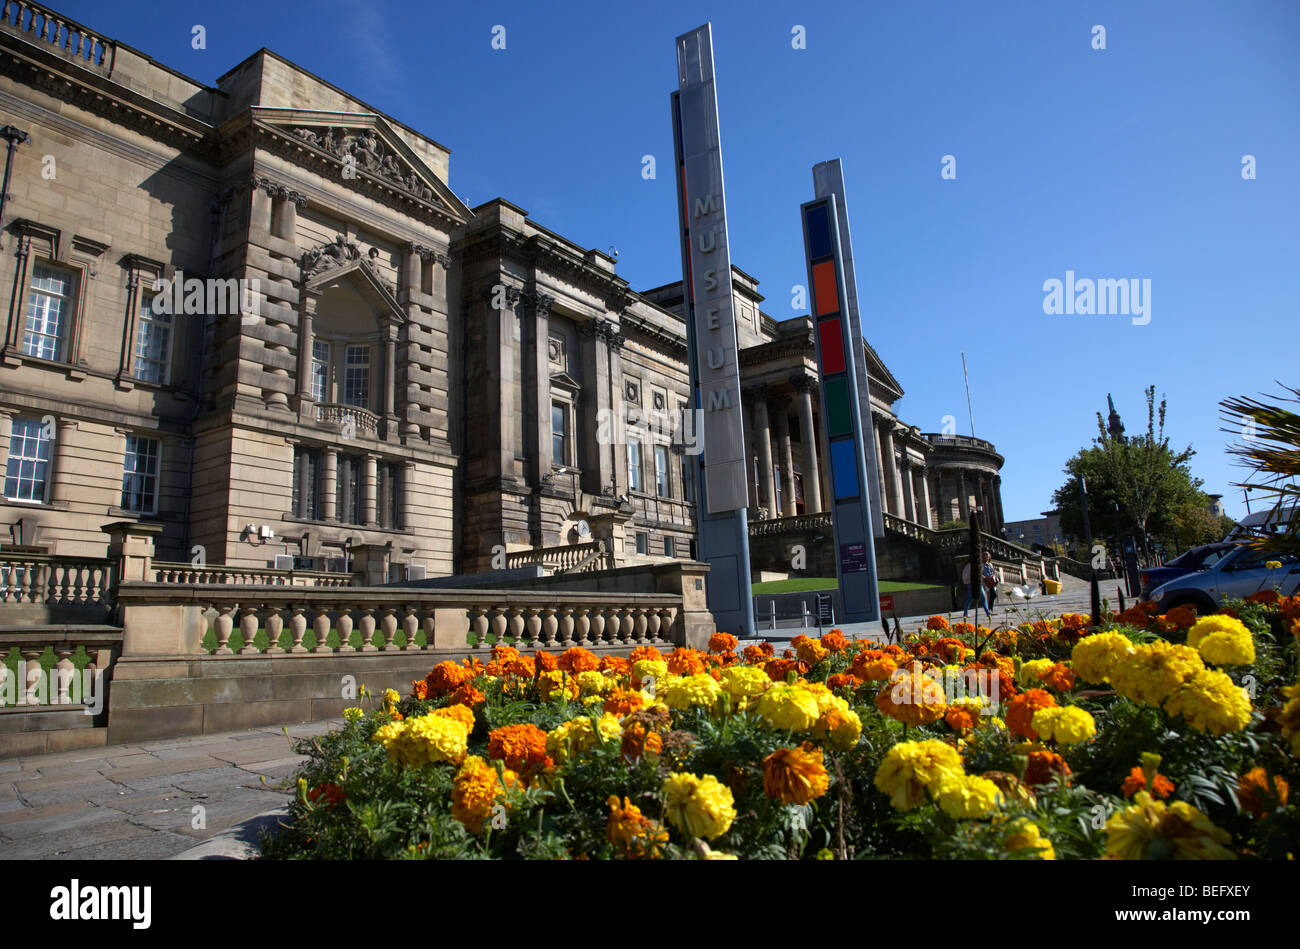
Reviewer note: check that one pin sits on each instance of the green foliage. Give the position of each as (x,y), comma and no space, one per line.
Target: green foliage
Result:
(1270,450)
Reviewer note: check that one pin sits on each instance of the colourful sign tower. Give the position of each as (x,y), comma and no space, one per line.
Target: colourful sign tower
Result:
(722,488)
(839,354)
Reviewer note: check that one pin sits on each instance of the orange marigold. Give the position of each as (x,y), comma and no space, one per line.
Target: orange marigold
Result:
(521,747)
(756,653)
(685,662)
(1136,781)
(467,695)
(937,624)
(1020,713)
(835,642)
(644,652)
(332,793)
(521,666)
(504,654)
(623,702)
(1180,617)
(619,665)
(778,670)
(1267,597)
(638,740)
(445,678)
(960,718)
(912,698)
(842,680)
(1257,796)
(577,660)
(420,689)
(811,651)
(1060,677)
(795,775)
(723,642)
(633,834)
(1043,766)
(545,662)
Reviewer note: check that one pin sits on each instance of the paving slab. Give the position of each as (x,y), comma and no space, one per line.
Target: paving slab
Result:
(40,795)
(40,821)
(155,845)
(65,841)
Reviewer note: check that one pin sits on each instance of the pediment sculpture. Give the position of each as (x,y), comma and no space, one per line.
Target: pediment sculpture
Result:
(368,151)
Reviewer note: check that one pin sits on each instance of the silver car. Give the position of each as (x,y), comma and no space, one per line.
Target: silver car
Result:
(1236,576)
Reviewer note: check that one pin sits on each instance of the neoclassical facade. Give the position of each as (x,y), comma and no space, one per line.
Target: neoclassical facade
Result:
(257,316)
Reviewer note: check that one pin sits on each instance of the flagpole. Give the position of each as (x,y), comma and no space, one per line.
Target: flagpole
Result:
(969,410)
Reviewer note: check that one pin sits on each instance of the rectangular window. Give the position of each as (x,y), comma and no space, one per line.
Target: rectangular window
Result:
(669,547)
(140,475)
(634,481)
(642,542)
(49,310)
(320,370)
(153,345)
(662,488)
(27,475)
(688,482)
(348,506)
(559,434)
(356,376)
(777,490)
(306,483)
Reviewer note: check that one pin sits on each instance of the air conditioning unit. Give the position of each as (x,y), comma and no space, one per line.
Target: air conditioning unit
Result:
(415,571)
(284,561)
(337,565)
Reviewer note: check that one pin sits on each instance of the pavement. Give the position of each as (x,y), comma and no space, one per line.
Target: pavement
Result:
(202,797)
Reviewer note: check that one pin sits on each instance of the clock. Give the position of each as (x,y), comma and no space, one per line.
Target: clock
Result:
(584,529)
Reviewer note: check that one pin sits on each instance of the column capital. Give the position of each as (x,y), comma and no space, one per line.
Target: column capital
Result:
(540,302)
(803,384)
(760,393)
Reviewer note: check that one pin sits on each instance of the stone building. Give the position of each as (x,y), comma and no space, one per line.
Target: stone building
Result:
(257,316)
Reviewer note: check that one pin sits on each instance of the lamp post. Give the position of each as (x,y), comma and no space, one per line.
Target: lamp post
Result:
(1092,569)
(14,136)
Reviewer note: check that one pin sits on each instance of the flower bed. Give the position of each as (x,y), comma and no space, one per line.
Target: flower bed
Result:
(1152,736)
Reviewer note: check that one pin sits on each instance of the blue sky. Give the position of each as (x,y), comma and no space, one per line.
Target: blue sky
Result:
(1117,163)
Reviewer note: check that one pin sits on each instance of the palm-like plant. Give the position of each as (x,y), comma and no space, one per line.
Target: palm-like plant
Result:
(1270,448)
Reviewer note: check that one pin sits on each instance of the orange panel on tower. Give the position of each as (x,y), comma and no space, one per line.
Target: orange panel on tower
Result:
(828,298)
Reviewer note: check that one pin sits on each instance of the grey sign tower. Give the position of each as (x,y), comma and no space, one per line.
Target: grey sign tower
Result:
(839,356)
(722,488)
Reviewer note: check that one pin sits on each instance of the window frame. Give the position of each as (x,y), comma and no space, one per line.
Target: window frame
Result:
(48,461)
(156,474)
(66,318)
(146,317)
(565,455)
(663,473)
(634,451)
(306,504)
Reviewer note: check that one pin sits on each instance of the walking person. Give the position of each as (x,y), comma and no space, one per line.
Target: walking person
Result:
(990,579)
(986,571)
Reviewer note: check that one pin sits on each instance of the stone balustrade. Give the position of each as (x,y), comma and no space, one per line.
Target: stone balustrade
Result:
(799,522)
(562,558)
(350,417)
(38,24)
(35,687)
(172,621)
(186,573)
(54,581)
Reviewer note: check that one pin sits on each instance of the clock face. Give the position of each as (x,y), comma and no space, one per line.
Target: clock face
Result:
(584,529)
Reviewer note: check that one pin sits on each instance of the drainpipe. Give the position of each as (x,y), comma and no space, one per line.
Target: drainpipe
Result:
(14,136)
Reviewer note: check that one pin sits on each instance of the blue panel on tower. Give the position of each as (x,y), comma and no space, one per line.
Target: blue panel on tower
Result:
(844,469)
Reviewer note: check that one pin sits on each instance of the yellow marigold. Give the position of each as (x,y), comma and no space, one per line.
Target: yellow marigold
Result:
(1150,829)
(595,683)
(698,807)
(795,775)
(1154,671)
(643,668)
(912,768)
(457,713)
(1227,649)
(1289,717)
(1094,656)
(788,707)
(1023,834)
(968,797)
(1031,672)
(1218,623)
(580,734)
(1211,701)
(840,727)
(353,714)
(391,698)
(692,691)
(427,739)
(1067,726)
(743,683)
(557,685)
(475,791)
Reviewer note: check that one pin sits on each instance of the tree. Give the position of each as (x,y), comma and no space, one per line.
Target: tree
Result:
(1135,485)
(1270,449)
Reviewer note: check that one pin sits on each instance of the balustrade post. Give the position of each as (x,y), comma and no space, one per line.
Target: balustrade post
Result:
(33,674)
(367,627)
(298,627)
(388,625)
(652,625)
(320,627)
(224,626)
(639,625)
(410,626)
(595,621)
(248,628)
(497,626)
(518,627)
(625,626)
(64,670)
(479,624)
(344,625)
(564,625)
(550,625)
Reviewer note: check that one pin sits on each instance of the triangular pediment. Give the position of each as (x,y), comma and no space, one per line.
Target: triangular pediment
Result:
(366,150)
(563,380)
(341,263)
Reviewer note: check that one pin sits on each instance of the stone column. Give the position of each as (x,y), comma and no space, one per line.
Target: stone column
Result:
(923,473)
(892,481)
(537,386)
(905,478)
(303,402)
(812,479)
(763,432)
(614,340)
(370,491)
(408,496)
(876,425)
(964,497)
(290,203)
(329,482)
(390,383)
(787,455)
(997,501)
(595,419)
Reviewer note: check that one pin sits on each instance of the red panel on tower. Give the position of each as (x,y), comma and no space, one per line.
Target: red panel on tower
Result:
(828,298)
(832,343)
